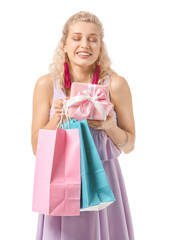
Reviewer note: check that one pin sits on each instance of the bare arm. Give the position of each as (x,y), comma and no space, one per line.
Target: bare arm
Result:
(41,109)
(120,96)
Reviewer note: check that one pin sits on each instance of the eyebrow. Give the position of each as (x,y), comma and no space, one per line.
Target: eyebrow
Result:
(89,34)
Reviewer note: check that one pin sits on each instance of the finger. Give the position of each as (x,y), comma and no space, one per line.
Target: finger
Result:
(59,115)
(64,116)
(95,122)
(110,114)
(94,125)
(58,110)
(59,102)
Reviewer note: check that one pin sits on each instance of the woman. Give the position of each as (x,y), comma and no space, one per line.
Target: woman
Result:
(78,57)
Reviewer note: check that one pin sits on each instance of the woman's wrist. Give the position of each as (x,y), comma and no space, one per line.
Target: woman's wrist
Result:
(126,141)
(118,136)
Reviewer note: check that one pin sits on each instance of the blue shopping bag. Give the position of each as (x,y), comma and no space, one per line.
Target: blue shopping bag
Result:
(96,193)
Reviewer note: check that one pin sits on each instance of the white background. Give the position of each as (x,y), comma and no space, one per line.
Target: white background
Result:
(136,34)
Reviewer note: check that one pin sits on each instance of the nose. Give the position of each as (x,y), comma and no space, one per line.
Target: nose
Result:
(85,43)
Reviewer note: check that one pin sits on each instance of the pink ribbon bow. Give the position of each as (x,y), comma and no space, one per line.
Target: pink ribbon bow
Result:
(84,104)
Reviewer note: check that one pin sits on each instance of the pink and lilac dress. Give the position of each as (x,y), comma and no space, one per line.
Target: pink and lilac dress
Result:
(111,223)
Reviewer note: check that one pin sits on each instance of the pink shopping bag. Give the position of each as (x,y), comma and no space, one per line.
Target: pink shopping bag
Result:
(57,179)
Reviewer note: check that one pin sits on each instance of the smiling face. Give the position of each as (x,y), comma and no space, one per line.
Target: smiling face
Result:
(83,44)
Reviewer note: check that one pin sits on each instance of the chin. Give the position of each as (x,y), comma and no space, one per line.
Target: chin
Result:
(84,64)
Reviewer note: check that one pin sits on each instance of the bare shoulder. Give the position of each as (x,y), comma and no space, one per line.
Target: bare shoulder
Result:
(119,88)
(118,83)
(45,82)
(44,85)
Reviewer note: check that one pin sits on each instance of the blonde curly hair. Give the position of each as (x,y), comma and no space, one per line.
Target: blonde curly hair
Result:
(57,66)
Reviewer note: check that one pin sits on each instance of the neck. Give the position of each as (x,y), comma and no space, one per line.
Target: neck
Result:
(81,74)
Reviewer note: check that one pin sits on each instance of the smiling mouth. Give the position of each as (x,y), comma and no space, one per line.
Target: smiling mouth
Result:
(83,54)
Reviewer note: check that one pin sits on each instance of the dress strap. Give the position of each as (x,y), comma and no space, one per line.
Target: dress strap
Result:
(105,82)
(57,93)
(106,79)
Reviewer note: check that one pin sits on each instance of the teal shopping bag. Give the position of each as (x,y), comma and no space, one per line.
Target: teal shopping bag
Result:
(96,193)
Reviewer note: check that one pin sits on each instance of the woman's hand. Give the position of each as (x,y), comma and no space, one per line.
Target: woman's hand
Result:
(102,125)
(58,105)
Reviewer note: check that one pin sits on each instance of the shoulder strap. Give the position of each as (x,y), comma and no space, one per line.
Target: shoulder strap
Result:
(106,82)
(106,79)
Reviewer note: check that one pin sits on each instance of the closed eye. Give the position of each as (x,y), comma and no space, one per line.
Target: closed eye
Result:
(90,39)
(76,39)
(93,40)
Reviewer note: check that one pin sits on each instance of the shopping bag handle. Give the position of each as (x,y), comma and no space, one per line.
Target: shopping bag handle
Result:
(62,120)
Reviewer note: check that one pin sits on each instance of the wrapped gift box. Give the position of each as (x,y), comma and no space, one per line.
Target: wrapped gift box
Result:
(89,101)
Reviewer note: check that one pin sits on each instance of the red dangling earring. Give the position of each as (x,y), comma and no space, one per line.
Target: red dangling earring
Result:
(66,73)
(96,73)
